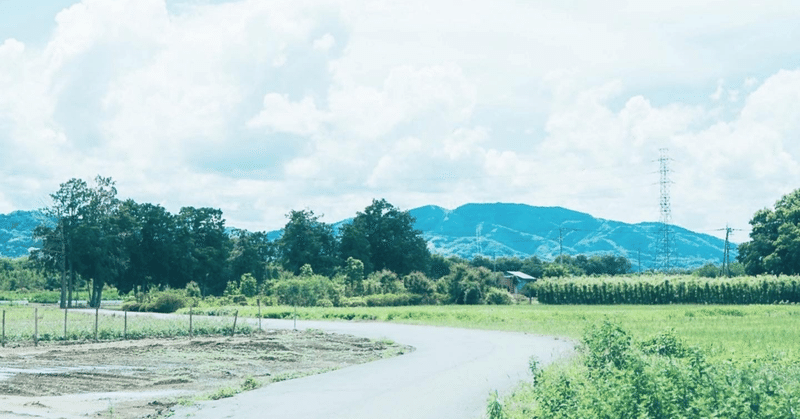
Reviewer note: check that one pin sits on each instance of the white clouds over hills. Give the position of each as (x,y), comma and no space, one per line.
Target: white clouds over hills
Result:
(259,107)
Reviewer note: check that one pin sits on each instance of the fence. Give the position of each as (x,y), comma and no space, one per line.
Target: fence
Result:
(23,324)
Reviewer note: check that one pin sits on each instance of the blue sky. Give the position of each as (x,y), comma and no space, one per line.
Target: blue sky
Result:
(260,107)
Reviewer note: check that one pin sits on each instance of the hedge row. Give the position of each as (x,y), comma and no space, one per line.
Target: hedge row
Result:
(670,290)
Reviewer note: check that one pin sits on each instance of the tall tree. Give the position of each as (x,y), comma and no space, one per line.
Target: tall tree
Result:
(251,253)
(58,230)
(307,240)
(393,243)
(774,245)
(203,248)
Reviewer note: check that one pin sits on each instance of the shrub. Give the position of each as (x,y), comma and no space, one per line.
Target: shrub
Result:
(166,302)
(193,290)
(498,297)
(324,302)
(248,285)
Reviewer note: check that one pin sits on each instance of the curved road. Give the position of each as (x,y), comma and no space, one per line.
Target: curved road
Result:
(449,375)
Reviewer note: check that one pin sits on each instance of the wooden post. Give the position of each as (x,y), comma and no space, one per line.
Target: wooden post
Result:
(125,327)
(190,322)
(235,316)
(36,326)
(65,323)
(258,301)
(4,329)
(96,321)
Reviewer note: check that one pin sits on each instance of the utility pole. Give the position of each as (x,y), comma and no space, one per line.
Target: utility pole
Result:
(726,250)
(664,233)
(561,243)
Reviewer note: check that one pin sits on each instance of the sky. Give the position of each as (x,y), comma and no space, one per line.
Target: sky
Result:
(260,107)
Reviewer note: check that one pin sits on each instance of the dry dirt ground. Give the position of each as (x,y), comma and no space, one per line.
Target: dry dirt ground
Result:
(133,379)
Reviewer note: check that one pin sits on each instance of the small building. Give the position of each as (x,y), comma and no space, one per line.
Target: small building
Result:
(516,280)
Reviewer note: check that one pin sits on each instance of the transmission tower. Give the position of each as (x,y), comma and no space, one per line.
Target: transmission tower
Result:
(665,232)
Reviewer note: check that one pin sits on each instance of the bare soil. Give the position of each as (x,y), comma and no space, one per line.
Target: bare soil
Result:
(133,379)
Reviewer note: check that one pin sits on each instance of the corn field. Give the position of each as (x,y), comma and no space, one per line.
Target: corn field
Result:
(670,290)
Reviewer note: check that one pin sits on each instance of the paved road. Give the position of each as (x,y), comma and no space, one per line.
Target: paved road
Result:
(449,375)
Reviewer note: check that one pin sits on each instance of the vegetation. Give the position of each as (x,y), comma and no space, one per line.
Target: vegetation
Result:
(617,375)
(670,290)
(774,239)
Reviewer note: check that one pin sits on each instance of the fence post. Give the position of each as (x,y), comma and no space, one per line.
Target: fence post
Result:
(190,322)
(125,328)
(235,316)
(258,301)
(4,329)
(65,322)
(96,320)
(36,326)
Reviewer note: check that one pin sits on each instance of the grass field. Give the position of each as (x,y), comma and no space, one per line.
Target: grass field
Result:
(725,331)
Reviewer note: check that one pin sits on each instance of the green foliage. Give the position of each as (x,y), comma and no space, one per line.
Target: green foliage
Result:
(354,276)
(231,289)
(383,238)
(193,290)
(709,270)
(468,285)
(616,376)
(307,291)
(529,289)
(774,240)
(498,297)
(670,290)
(418,283)
(307,240)
(248,285)
(159,302)
(388,300)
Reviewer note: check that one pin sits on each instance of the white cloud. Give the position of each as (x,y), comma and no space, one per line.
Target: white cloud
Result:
(324,43)
(259,107)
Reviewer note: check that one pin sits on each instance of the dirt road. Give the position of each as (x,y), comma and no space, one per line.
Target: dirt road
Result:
(449,375)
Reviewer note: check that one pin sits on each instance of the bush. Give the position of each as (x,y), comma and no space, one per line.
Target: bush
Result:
(166,302)
(248,285)
(324,302)
(353,302)
(661,377)
(498,297)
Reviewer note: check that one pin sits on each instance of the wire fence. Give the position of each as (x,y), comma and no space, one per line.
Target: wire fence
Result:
(24,324)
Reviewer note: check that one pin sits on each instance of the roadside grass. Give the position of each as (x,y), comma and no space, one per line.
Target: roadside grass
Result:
(723,331)
(20,326)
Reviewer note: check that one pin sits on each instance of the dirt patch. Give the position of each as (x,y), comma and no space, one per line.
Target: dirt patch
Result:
(164,372)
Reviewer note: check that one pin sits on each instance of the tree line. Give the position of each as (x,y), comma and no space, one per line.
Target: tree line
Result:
(93,236)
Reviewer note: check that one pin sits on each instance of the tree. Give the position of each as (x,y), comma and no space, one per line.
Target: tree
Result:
(202,247)
(774,245)
(307,240)
(387,235)
(56,251)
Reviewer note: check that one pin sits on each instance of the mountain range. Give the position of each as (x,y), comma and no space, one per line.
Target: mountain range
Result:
(495,230)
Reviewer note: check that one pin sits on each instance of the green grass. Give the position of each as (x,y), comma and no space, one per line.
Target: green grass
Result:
(726,331)
(20,327)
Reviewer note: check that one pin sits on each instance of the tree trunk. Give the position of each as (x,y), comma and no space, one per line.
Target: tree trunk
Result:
(63,269)
(97,293)
(70,285)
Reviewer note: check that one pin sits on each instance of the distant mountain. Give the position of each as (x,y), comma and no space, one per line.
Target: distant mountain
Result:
(495,230)
(16,233)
